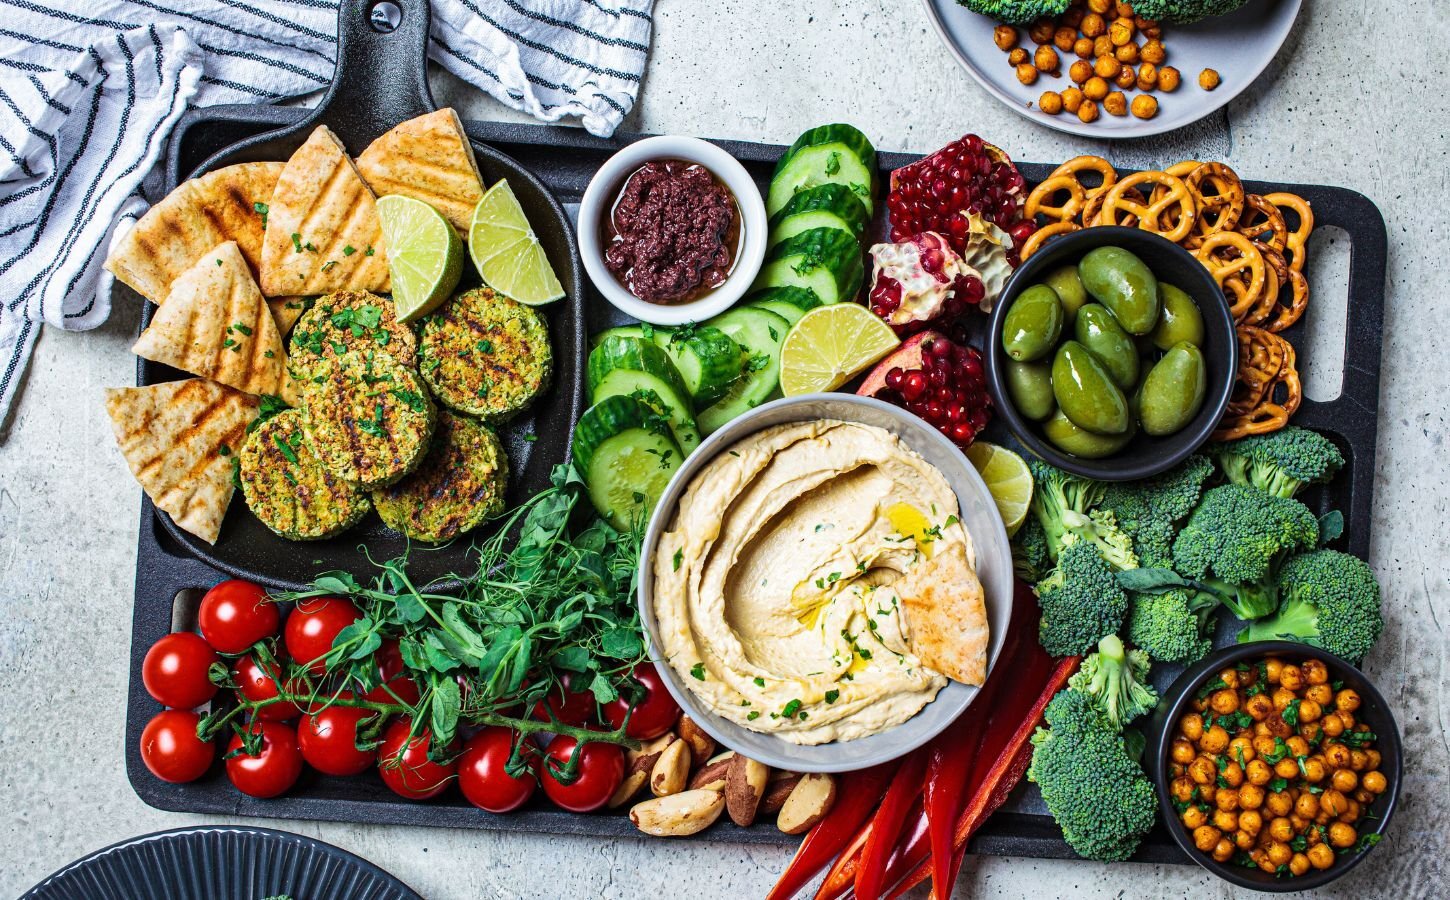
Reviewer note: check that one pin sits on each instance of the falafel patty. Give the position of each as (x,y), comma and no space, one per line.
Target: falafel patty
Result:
(459,484)
(343,321)
(367,417)
(289,489)
(485,355)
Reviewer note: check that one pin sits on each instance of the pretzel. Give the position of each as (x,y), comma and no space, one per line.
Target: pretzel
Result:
(1097,164)
(1227,254)
(1040,236)
(1290,294)
(1263,224)
(1299,237)
(1218,211)
(1256,408)
(1094,207)
(1181,169)
(1265,418)
(1038,202)
(1260,359)
(1151,214)
(1298,302)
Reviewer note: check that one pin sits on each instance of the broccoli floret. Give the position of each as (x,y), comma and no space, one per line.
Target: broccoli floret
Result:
(1148,511)
(1116,680)
(1030,557)
(1100,528)
(1180,12)
(1330,600)
(1058,497)
(1239,533)
(1081,601)
(1096,791)
(1172,626)
(1282,462)
(1017,12)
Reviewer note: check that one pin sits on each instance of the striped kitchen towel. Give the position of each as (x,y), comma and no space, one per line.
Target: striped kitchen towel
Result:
(91,90)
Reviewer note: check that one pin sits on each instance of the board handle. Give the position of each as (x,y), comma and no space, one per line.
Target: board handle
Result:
(381,75)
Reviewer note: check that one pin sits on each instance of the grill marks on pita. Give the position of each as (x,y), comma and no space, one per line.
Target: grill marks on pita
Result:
(430,159)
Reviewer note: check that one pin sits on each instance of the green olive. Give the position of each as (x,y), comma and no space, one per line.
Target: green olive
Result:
(1097,330)
(1068,286)
(1086,393)
(1033,324)
(1029,384)
(1079,441)
(1180,320)
(1174,389)
(1123,283)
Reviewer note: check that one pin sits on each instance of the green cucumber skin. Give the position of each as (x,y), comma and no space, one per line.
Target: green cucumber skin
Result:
(625,352)
(628,366)
(832,250)
(803,299)
(759,331)
(840,133)
(622,425)
(828,154)
(707,359)
(831,203)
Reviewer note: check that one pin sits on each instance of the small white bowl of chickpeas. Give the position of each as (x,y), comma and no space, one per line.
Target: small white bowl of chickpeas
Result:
(1277,765)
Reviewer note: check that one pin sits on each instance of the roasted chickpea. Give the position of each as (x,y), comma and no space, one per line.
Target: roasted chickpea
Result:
(1358,760)
(1315,671)
(1225,701)
(1208,793)
(1080,71)
(1287,768)
(1309,711)
(1083,47)
(1050,102)
(1232,774)
(1251,796)
(1073,17)
(1277,727)
(1116,103)
(1344,780)
(1260,706)
(1298,864)
(1243,840)
(1202,770)
(1182,788)
(1279,853)
(1005,37)
(1101,7)
(1346,718)
(1182,751)
(1208,79)
(1026,73)
(1251,822)
(1226,820)
(1352,811)
(1307,806)
(1046,60)
(1333,802)
(1120,32)
(1214,740)
(1128,53)
(1072,99)
(1093,25)
(1153,52)
(1291,677)
(1103,46)
(1335,755)
(1371,759)
(1374,782)
(1096,89)
(1297,746)
(1332,725)
(1322,694)
(1087,112)
(1320,856)
(1147,77)
(1272,667)
(1205,837)
(1314,770)
(1122,9)
(1363,796)
(1041,31)
(1226,799)
(1312,732)
(1105,66)
(1168,79)
(1064,38)
(1193,817)
(1342,835)
(1242,748)
(1152,31)
(1280,829)
(1298,822)
(1279,803)
(1018,56)
(1223,851)
(1126,78)
(1258,772)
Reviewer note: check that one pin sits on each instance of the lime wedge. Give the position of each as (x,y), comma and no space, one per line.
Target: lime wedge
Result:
(1008,479)
(425,255)
(507,252)
(829,345)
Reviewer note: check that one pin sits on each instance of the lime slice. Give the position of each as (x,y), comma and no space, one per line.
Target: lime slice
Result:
(829,345)
(507,252)
(425,256)
(1008,479)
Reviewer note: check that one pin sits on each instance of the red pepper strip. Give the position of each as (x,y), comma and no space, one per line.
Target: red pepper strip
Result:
(886,824)
(912,848)
(857,794)
(842,875)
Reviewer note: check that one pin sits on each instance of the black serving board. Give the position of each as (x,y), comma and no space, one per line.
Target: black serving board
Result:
(565,159)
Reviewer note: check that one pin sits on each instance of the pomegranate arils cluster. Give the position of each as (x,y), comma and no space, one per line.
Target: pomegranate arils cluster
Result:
(948,390)
(933,194)
(919,281)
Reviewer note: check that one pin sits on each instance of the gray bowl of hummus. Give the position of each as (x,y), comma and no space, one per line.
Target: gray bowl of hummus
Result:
(825,583)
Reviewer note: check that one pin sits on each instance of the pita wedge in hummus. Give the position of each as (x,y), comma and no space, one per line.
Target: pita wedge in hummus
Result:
(816,583)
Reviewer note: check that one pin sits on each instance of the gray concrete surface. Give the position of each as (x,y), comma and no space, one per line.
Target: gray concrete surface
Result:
(1356,99)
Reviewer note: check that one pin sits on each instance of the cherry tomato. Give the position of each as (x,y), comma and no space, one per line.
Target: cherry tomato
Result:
(601,769)
(328,739)
(390,670)
(274,769)
(656,711)
(257,683)
(175,670)
(236,614)
(411,774)
(482,777)
(314,625)
(171,749)
(567,706)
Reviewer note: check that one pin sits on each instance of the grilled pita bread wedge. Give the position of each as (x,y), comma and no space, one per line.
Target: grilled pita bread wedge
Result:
(429,159)
(201,213)
(180,439)
(323,232)
(947,615)
(286,311)
(215,324)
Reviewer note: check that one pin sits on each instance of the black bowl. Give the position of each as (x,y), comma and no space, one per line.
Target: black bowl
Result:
(1144,455)
(1372,710)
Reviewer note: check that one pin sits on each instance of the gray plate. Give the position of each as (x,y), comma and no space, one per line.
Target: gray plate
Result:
(979,516)
(1239,46)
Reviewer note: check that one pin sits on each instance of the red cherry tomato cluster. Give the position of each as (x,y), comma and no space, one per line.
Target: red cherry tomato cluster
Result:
(279,740)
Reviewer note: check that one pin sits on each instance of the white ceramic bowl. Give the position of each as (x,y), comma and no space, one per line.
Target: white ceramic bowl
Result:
(610,178)
(979,515)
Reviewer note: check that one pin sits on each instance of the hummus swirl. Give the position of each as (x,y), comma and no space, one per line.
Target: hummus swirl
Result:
(776,586)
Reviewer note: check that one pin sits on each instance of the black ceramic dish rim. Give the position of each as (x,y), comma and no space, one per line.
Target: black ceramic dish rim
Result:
(1223,365)
(1376,712)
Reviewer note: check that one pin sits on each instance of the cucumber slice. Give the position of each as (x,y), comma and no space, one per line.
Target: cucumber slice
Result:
(630,331)
(626,455)
(760,332)
(634,367)
(706,358)
(823,206)
(829,154)
(790,302)
(825,260)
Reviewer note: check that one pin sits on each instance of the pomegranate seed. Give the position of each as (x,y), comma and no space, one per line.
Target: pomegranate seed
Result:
(893,378)
(978,419)
(913,385)
(956,412)
(935,413)
(972,368)
(939,349)
(962,433)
